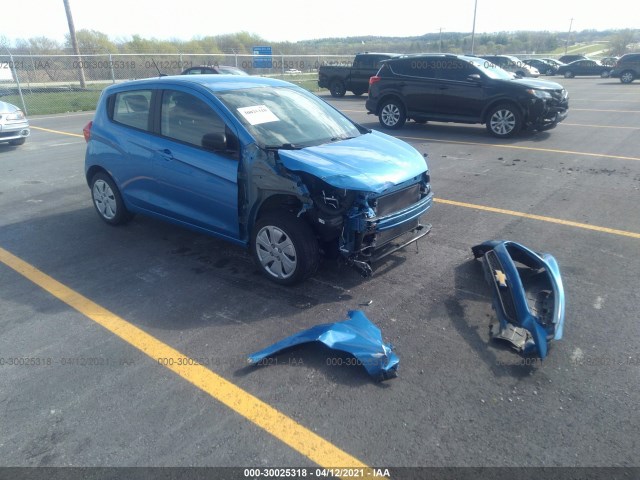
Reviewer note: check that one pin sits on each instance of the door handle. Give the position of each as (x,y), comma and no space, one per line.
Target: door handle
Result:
(166,154)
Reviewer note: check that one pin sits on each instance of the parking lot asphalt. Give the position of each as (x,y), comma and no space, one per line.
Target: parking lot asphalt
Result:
(85,393)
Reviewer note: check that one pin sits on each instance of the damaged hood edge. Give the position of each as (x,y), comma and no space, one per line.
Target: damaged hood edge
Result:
(371,162)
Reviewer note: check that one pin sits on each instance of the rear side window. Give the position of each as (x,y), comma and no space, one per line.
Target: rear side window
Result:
(132,108)
(415,67)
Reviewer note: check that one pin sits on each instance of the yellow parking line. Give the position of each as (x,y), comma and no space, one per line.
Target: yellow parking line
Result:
(57,131)
(260,413)
(596,110)
(518,147)
(595,126)
(542,218)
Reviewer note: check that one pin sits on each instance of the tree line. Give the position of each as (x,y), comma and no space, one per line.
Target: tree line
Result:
(615,42)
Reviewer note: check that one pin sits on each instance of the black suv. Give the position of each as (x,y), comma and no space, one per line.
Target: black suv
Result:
(456,88)
(627,69)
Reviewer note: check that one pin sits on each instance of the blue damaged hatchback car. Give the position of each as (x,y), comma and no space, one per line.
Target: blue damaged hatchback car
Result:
(259,162)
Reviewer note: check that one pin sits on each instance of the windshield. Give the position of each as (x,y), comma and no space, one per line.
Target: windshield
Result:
(491,70)
(287,117)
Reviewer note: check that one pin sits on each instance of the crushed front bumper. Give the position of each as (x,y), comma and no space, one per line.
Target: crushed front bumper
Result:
(528,295)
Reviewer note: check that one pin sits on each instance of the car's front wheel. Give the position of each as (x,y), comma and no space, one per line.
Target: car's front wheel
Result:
(627,77)
(504,121)
(337,88)
(107,200)
(392,114)
(284,248)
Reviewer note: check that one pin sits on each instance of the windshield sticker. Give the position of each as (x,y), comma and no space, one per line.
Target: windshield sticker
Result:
(258,114)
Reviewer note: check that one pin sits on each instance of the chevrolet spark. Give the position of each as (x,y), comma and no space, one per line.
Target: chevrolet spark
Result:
(259,162)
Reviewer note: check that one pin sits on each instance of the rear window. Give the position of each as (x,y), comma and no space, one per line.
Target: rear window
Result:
(132,108)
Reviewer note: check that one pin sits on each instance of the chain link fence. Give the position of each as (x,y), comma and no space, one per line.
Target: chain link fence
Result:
(45,84)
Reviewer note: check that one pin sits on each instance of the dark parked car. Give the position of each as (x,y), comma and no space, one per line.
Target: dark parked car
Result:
(553,61)
(258,162)
(571,58)
(355,78)
(583,68)
(461,89)
(543,67)
(627,69)
(214,69)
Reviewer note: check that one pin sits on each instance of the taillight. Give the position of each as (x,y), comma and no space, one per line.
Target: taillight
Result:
(86,131)
(374,79)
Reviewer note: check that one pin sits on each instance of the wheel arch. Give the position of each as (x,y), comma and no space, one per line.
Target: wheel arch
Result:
(387,97)
(502,101)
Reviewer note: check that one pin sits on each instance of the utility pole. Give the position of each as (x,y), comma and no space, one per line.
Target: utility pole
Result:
(440,42)
(74,44)
(566,43)
(473,33)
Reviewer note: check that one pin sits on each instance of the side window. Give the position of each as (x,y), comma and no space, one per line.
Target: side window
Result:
(415,67)
(190,120)
(132,108)
(454,70)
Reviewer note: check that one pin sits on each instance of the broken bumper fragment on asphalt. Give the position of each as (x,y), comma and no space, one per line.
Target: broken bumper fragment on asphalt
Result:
(528,295)
(357,336)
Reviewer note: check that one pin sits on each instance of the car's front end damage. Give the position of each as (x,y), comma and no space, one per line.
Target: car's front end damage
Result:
(546,107)
(366,216)
(528,295)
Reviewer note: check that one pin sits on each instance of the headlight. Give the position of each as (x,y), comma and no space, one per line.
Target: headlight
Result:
(16,115)
(539,93)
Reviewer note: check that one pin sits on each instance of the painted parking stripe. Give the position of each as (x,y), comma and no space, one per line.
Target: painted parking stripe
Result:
(596,110)
(285,429)
(57,131)
(519,147)
(542,218)
(565,124)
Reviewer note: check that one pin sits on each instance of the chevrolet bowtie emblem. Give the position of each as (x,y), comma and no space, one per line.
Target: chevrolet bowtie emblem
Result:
(500,277)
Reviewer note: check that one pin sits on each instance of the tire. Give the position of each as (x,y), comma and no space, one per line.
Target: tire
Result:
(18,141)
(392,114)
(627,76)
(549,72)
(568,74)
(504,121)
(604,74)
(337,88)
(107,200)
(284,248)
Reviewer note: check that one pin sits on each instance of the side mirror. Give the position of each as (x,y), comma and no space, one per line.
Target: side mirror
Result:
(214,142)
(474,77)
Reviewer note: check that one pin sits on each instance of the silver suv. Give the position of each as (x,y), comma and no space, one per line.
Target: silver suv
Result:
(627,69)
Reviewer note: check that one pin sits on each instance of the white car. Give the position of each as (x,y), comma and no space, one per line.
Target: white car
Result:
(14,126)
(292,71)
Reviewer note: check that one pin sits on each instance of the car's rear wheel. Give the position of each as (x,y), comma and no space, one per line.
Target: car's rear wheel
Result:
(284,248)
(549,71)
(107,200)
(337,88)
(392,114)
(504,121)
(604,74)
(627,76)
(568,74)
(18,141)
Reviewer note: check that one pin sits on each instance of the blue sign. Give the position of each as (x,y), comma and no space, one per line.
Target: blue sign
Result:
(262,57)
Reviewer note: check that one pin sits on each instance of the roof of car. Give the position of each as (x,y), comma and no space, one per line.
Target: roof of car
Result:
(213,82)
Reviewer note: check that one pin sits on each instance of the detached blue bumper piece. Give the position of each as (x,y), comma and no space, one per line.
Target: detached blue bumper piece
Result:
(357,336)
(528,295)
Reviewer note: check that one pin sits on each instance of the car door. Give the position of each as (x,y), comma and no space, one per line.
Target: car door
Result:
(415,78)
(459,97)
(197,180)
(126,146)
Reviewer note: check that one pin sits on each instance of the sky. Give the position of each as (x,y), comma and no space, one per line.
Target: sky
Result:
(293,20)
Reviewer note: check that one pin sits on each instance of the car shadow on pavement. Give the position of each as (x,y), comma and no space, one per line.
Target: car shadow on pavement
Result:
(469,318)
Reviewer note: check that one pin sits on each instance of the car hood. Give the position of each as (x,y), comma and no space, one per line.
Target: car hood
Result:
(372,162)
(538,84)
